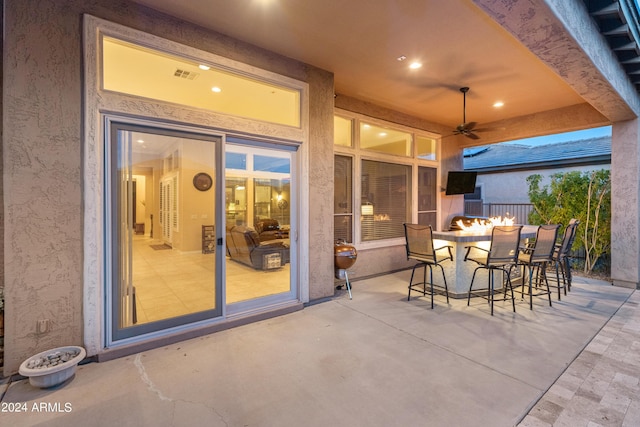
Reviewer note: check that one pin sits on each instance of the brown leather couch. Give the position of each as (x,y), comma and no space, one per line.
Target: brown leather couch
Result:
(244,246)
(268,229)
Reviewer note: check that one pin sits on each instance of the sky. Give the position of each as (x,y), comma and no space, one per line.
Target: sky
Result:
(563,137)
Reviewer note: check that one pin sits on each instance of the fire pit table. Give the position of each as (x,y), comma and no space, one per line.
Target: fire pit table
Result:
(459,272)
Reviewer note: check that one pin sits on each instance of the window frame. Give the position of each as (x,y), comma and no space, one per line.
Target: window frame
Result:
(358,154)
(350,214)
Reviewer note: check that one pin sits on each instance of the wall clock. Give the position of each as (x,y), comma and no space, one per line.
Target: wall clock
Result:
(202,181)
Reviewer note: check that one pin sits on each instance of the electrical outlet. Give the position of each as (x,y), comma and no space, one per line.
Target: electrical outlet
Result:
(42,326)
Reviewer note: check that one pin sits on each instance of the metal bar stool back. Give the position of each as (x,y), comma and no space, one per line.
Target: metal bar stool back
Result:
(419,246)
(561,258)
(536,257)
(501,256)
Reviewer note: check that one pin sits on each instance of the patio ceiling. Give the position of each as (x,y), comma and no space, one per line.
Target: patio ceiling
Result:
(518,54)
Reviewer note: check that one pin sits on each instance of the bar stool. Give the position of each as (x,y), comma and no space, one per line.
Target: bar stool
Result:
(501,256)
(537,257)
(420,248)
(561,260)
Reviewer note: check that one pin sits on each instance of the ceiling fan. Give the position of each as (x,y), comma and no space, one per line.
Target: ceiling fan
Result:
(465,128)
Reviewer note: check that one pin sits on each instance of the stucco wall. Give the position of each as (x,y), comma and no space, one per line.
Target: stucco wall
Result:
(41,168)
(512,187)
(42,96)
(320,194)
(625,204)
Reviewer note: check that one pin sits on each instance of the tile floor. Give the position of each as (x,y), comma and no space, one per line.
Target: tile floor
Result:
(602,385)
(170,283)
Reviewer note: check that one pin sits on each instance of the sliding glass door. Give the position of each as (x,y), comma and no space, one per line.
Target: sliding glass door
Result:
(260,231)
(164,229)
(189,240)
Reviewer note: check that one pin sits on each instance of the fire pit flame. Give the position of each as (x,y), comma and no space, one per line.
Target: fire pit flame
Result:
(482,225)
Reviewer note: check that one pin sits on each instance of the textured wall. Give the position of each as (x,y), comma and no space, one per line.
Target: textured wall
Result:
(43,154)
(41,168)
(372,262)
(512,187)
(625,203)
(320,195)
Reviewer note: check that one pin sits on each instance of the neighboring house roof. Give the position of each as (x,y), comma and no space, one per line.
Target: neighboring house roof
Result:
(506,157)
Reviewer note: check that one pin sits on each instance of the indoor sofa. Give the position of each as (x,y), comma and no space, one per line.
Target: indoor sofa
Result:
(244,246)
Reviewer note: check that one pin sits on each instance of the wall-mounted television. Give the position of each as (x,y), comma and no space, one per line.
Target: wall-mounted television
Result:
(461,182)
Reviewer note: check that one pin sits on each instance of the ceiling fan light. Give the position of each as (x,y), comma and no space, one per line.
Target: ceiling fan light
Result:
(498,104)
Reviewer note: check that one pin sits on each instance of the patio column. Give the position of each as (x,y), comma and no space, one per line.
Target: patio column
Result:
(625,204)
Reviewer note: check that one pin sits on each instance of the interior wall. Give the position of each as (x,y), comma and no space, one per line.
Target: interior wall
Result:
(42,93)
(198,207)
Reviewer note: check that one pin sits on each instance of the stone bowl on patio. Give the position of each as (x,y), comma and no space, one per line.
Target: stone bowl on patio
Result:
(52,367)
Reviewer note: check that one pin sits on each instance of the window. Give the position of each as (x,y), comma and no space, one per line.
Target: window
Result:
(385,200)
(426,147)
(343,131)
(384,175)
(385,140)
(161,76)
(427,197)
(343,198)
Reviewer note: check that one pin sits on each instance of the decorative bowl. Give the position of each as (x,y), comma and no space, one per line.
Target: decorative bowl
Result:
(52,367)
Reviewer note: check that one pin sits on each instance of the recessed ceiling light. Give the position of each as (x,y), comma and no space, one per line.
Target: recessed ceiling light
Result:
(382,134)
(415,65)
(216,89)
(204,67)
(498,104)
(140,141)
(401,58)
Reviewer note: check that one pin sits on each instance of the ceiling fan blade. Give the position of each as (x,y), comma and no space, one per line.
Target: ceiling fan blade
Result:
(469,126)
(471,135)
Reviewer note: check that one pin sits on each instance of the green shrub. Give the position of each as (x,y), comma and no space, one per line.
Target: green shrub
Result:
(585,196)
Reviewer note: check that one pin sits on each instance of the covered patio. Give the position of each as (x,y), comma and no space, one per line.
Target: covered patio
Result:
(376,360)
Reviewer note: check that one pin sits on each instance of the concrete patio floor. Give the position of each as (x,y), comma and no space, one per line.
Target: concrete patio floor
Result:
(376,360)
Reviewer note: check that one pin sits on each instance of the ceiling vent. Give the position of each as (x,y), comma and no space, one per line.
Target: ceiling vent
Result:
(184,74)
